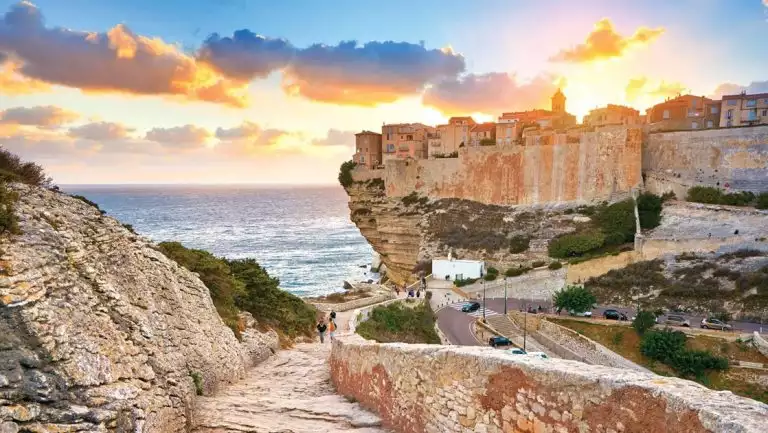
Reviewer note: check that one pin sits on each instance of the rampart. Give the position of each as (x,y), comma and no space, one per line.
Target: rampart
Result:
(550,168)
(434,389)
(736,158)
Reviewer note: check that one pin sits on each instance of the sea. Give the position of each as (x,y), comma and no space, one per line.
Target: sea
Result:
(302,235)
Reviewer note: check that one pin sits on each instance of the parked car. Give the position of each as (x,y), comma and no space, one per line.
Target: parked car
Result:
(614,315)
(499,341)
(540,355)
(470,307)
(677,321)
(584,314)
(516,351)
(712,323)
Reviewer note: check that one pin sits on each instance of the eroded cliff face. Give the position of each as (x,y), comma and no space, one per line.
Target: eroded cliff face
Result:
(101,332)
(405,231)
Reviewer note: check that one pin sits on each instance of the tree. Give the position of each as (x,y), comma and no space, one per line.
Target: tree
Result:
(345,173)
(643,321)
(574,298)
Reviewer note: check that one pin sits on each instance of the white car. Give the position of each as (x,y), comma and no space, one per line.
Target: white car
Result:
(584,314)
(516,351)
(540,355)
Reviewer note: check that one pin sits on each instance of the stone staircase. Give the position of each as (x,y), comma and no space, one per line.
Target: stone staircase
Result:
(509,329)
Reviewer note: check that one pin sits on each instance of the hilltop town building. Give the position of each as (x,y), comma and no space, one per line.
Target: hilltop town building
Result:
(483,133)
(743,109)
(685,112)
(612,115)
(453,135)
(557,118)
(507,130)
(368,149)
(405,140)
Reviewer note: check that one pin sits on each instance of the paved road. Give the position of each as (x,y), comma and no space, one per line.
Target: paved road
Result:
(456,325)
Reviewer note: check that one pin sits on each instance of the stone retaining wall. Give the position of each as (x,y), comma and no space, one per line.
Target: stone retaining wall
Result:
(436,389)
(760,343)
(351,305)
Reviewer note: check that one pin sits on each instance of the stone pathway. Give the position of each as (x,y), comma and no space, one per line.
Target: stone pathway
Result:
(289,393)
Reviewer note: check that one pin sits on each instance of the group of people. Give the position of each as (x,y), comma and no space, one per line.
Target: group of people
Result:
(411,293)
(331,327)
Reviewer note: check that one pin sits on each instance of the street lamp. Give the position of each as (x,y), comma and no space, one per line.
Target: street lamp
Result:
(525,325)
(482,283)
(505,295)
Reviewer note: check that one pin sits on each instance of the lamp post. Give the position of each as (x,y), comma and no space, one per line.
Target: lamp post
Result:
(505,295)
(482,282)
(525,326)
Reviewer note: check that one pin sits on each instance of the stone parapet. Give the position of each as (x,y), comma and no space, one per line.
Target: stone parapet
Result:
(351,305)
(435,389)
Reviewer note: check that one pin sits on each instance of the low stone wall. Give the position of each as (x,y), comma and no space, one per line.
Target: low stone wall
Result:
(760,343)
(531,323)
(538,284)
(351,305)
(436,389)
(591,351)
(363,174)
(361,314)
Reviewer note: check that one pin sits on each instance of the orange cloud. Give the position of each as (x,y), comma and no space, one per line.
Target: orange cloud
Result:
(115,61)
(641,87)
(14,83)
(43,116)
(605,43)
(180,137)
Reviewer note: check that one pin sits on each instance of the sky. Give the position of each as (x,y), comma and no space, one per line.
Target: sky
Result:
(272,92)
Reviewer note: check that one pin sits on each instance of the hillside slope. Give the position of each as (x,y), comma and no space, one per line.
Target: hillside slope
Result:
(99,331)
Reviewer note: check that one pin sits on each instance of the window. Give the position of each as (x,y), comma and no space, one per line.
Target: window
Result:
(729,114)
(751,115)
(694,125)
(764,113)
(729,124)
(714,109)
(390,148)
(362,159)
(751,102)
(665,114)
(710,124)
(731,102)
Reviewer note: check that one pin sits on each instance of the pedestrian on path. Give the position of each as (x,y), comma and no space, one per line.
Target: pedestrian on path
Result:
(333,315)
(321,327)
(332,329)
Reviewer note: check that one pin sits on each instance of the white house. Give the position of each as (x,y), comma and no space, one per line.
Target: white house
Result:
(452,269)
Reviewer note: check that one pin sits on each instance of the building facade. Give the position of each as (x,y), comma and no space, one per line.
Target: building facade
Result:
(744,110)
(454,135)
(612,115)
(684,112)
(482,133)
(556,118)
(507,131)
(368,149)
(405,140)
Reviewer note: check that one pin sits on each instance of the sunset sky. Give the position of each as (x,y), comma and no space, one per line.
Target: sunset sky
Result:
(252,91)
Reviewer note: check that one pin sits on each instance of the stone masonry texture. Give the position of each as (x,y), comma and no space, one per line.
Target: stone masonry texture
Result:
(436,389)
(100,332)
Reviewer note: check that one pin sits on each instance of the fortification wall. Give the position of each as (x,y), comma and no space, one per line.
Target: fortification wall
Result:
(735,158)
(547,169)
(430,388)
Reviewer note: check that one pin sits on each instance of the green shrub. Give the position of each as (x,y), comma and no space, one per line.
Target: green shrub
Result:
(762,200)
(491,273)
(88,202)
(465,282)
(694,363)
(575,244)
(515,272)
(555,265)
(742,198)
(538,264)
(9,222)
(345,173)
(649,210)
(614,238)
(617,338)
(130,228)
(490,277)
(669,195)
(410,199)
(574,298)
(13,169)
(519,244)
(661,345)
(704,194)
(617,218)
(376,183)
(644,321)
(398,323)
(197,380)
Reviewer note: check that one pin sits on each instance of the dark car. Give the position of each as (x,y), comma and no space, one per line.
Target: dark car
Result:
(614,315)
(472,306)
(499,341)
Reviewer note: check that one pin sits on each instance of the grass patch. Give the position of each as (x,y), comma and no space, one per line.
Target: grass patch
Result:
(712,195)
(398,323)
(89,203)
(519,244)
(516,272)
(9,222)
(197,380)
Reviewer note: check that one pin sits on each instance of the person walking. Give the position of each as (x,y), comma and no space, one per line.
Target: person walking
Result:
(333,315)
(321,328)
(332,328)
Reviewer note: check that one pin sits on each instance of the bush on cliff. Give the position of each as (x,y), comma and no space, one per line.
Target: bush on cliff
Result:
(519,244)
(13,169)
(8,219)
(243,285)
(668,347)
(644,321)
(649,209)
(762,200)
(575,244)
(712,195)
(398,323)
(345,173)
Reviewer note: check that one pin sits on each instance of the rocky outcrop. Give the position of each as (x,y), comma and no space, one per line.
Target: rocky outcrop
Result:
(101,332)
(405,231)
(429,388)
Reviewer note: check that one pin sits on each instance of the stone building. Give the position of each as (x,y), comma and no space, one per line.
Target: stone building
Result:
(405,140)
(557,118)
(684,112)
(612,115)
(368,149)
(454,134)
(743,110)
(482,131)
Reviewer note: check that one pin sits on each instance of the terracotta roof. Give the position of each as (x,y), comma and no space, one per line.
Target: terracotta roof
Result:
(364,132)
(484,127)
